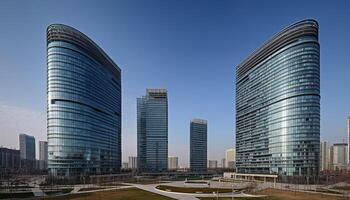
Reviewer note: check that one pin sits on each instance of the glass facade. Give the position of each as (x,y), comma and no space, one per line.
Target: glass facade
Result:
(83,105)
(152,131)
(278,105)
(198,145)
(27,147)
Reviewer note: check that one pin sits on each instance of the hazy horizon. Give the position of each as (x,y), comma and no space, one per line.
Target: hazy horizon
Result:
(191,48)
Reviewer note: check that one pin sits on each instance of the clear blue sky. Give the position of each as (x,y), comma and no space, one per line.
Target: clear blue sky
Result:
(189,47)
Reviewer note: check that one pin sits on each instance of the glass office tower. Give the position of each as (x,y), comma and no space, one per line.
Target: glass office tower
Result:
(198,145)
(278,104)
(27,146)
(152,131)
(83,105)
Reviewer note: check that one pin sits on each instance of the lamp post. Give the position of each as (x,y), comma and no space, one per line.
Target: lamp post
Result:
(232,190)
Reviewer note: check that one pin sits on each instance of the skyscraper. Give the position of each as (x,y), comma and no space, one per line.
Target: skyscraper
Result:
(84,105)
(278,104)
(230,158)
(198,145)
(173,162)
(42,154)
(324,156)
(152,131)
(27,147)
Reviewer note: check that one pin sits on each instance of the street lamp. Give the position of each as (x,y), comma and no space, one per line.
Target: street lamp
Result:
(232,190)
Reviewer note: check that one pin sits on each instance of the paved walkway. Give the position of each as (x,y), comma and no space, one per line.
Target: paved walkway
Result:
(76,189)
(79,187)
(151,188)
(37,192)
(187,196)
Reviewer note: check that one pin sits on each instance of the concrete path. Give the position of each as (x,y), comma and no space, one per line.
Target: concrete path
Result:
(188,196)
(151,188)
(79,187)
(38,192)
(76,189)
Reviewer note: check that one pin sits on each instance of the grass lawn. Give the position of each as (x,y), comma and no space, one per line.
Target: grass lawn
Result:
(58,191)
(144,182)
(113,184)
(275,194)
(91,188)
(121,194)
(341,187)
(198,182)
(237,198)
(16,195)
(192,189)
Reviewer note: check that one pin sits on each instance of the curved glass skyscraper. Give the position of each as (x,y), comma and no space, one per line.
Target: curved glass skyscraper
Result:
(278,104)
(83,105)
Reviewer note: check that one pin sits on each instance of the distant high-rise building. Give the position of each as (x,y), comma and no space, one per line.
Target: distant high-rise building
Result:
(27,147)
(212,164)
(83,105)
(349,137)
(324,156)
(223,163)
(43,150)
(132,162)
(43,154)
(125,165)
(9,160)
(278,104)
(173,162)
(230,158)
(198,145)
(152,131)
(340,156)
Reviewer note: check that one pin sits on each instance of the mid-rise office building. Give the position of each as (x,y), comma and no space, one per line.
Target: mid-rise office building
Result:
(132,162)
(340,156)
(84,105)
(223,163)
(125,165)
(278,104)
(9,160)
(230,158)
(348,123)
(212,164)
(27,147)
(173,162)
(152,131)
(43,154)
(324,156)
(198,145)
